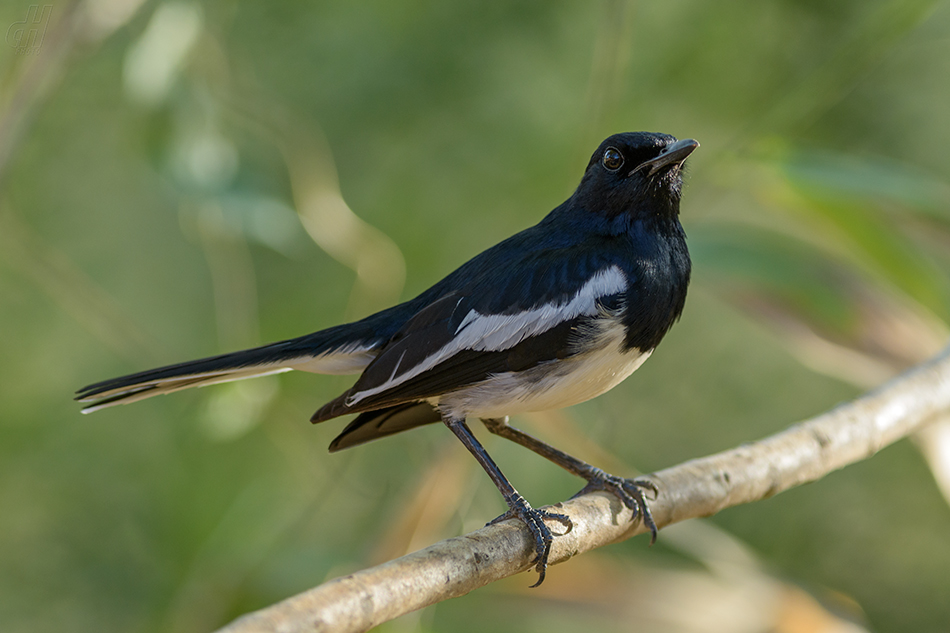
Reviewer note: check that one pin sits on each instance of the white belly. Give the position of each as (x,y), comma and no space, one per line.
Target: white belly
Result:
(551,385)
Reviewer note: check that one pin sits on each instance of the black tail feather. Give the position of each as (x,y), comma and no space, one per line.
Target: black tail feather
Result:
(275,353)
(383,422)
(339,350)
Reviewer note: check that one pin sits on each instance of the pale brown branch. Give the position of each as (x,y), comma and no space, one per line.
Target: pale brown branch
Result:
(804,452)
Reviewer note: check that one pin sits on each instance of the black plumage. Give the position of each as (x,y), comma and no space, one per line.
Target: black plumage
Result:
(554,315)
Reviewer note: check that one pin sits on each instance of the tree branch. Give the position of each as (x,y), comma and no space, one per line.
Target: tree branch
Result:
(804,452)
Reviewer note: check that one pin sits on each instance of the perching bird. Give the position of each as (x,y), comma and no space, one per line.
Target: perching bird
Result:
(553,316)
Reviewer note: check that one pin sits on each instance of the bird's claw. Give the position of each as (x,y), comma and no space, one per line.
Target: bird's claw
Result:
(519,508)
(629,491)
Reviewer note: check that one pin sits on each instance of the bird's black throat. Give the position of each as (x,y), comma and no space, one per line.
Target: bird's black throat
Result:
(659,280)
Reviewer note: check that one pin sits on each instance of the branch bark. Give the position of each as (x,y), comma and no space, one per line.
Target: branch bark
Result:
(802,453)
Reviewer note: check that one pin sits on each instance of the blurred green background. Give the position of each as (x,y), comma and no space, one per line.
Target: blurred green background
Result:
(183,179)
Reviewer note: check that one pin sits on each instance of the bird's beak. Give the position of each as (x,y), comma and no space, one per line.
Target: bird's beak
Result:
(674,153)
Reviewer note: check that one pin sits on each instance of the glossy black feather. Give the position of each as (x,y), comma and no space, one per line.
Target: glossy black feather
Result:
(383,422)
(371,331)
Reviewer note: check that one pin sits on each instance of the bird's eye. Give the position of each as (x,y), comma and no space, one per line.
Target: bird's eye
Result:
(613,159)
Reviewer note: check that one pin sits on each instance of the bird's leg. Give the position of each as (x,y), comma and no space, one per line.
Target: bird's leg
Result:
(630,491)
(518,507)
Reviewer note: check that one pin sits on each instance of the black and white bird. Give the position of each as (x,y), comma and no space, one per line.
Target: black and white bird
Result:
(554,315)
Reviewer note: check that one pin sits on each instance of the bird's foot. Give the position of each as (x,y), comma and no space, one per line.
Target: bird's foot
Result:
(630,492)
(519,508)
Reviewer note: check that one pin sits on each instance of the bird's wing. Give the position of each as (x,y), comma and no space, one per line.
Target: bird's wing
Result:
(495,324)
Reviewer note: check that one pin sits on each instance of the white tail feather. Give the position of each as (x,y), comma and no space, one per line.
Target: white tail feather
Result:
(143,390)
(345,360)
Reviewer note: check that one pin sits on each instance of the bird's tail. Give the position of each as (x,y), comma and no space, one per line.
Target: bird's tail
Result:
(343,349)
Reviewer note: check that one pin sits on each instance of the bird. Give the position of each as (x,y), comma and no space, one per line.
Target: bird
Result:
(555,315)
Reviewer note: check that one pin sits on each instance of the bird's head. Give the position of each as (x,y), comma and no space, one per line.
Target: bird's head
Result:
(635,174)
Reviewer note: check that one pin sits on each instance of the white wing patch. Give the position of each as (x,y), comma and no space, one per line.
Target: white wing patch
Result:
(496,332)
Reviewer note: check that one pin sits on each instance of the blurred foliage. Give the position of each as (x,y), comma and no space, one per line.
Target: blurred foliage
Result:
(181,179)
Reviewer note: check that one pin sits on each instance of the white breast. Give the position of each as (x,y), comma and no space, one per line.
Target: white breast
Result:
(551,385)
